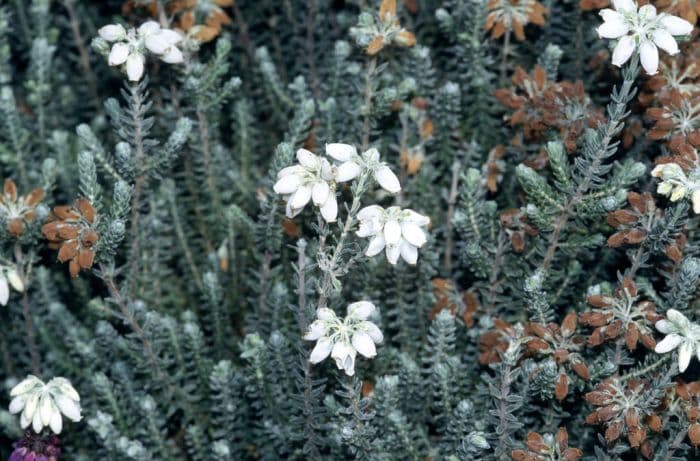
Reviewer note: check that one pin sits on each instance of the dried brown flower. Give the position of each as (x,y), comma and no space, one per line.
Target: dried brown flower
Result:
(547,447)
(678,123)
(447,297)
(589,5)
(513,16)
(632,224)
(618,411)
(204,19)
(389,30)
(541,105)
(518,227)
(71,230)
(495,342)
(561,344)
(621,316)
(687,9)
(16,210)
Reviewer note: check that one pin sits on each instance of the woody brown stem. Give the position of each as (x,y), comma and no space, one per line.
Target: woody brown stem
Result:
(30,336)
(208,164)
(447,264)
(310,45)
(179,231)
(366,125)
(243,34)
(329,272)
(82,51)
(128,316)
(138,185)
(677,442)
(495,272)
(504,57)
(403,147)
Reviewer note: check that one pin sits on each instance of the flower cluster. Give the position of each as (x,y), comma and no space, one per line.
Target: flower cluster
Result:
(517,226)
(203,19)
(684,399)
(680,333)
(624,408)
(343,339)
(130,47)
(675,183)
(562,345)
(495,342)
(641,30)
(398,232)
(621,316)
(632,224)
(315,179)
(547,447)
(34,447)
(9,276)
(513,15)
(312,178)
(540,105)
(72,229)
(42,404)
(677,122)
(18,210)
(447,296)
(375,33)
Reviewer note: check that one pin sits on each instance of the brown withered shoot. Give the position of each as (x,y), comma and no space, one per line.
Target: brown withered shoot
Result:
(547,448)
(563,346)
(621,315)
(18,210)
(72,230)
(623,408)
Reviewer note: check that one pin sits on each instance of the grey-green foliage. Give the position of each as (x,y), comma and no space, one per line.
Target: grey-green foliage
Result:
(185,339)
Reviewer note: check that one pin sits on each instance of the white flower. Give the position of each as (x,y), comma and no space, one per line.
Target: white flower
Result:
(647,31)
(399,232)
(9,277)
(680,333)
(343,339)
(312,179)
(42,404)
(675,183)
(352,164)
(381,171)
(130,48)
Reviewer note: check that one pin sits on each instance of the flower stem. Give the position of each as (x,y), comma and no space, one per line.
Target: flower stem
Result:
(366,124)
(27,314)
(331,269)
(504,56)
(129,318)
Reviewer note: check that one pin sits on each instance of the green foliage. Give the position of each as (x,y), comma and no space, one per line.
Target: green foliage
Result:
(187,335)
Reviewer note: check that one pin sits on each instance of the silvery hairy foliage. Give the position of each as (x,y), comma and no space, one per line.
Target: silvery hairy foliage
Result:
(360,229)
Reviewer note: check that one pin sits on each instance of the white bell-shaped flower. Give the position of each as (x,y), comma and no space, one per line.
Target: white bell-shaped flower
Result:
(680,333)
(381,171)
(351,164)
(677,185)
(43,404)
(129,48)
(311,180)
(641,30)
(399,232)
(9,277)
(344,339)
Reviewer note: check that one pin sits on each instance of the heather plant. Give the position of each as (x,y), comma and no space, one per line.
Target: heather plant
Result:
(375,230)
